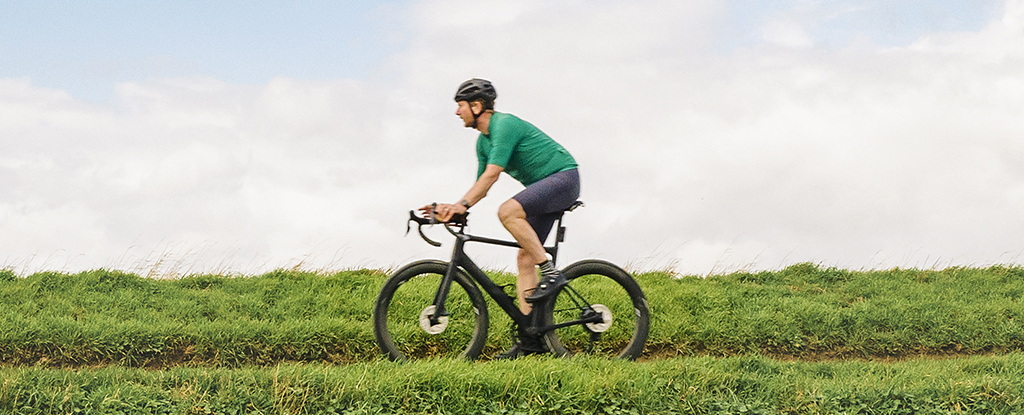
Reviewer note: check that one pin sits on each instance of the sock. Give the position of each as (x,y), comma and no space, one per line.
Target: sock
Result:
(547,270)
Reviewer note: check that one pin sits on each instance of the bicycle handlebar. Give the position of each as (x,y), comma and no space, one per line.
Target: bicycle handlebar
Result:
(460,220)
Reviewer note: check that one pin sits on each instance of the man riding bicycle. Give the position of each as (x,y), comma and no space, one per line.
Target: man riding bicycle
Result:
(508,144)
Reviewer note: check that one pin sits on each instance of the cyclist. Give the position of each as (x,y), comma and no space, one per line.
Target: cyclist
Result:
(508,144)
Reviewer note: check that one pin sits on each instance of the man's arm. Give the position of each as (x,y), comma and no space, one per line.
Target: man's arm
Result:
(483,184)
(474,195)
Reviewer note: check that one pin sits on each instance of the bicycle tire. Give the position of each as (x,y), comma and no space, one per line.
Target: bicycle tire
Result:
(598,283)
(408,294)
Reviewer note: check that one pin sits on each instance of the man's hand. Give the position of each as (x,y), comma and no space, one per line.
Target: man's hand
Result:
(442,211)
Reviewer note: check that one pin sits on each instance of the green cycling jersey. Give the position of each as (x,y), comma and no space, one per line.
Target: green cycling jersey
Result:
(524,151)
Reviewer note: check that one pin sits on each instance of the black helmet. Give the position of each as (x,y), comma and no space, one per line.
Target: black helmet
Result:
(476,88)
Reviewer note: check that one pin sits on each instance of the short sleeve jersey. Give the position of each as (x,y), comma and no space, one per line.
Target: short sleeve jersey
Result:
(524,151)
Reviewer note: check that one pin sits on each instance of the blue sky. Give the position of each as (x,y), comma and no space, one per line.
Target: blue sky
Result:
(837,23)
(166,138)
(87,47)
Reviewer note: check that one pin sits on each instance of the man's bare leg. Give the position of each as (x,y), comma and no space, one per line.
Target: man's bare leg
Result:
(526,281)
(513,217)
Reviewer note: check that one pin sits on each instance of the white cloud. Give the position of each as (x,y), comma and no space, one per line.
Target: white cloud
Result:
(861,156)
(786,33)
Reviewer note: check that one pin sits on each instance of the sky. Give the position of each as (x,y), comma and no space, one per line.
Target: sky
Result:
(713,136)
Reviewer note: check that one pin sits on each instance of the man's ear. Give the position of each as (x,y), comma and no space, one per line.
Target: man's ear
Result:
(477,107)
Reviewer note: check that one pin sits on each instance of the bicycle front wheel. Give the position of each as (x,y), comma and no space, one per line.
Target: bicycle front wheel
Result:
(610,298)
(402,320)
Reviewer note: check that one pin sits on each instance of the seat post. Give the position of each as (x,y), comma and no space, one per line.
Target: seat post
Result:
(560,233)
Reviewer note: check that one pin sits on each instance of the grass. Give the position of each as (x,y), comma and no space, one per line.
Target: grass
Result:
(808,312)
(110,317)
(804,339)
(694,385)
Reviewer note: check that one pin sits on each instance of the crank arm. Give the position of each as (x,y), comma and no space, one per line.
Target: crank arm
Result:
(583,321)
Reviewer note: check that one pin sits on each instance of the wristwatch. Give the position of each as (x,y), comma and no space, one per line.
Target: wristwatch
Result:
(464,203)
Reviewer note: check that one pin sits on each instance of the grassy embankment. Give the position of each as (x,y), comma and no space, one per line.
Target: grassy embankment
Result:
(108,317)
(691,385)
(220,340)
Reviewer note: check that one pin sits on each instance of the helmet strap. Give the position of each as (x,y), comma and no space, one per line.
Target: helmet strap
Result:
(476,117)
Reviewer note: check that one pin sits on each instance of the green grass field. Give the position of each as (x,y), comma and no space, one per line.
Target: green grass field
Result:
(804,339)
(543,385)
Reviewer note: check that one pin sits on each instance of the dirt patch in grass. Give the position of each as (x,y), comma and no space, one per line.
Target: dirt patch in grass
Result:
(660,352)
(185,356)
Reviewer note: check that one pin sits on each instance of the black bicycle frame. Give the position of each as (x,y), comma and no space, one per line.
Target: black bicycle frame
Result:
(507,303)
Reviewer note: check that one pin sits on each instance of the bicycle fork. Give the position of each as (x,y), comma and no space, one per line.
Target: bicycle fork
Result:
(441,297)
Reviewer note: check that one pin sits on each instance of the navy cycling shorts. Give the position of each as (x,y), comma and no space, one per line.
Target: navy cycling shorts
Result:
(545,200)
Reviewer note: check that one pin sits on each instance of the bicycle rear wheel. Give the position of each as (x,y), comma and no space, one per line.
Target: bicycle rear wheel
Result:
(598,288)
(405,304)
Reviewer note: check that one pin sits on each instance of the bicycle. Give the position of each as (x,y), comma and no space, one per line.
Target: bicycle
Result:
(434,308)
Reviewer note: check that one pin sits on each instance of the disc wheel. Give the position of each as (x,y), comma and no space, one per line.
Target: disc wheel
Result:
(608,295)
(404,323)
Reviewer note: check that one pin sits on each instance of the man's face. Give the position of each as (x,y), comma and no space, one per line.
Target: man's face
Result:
(466,113)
